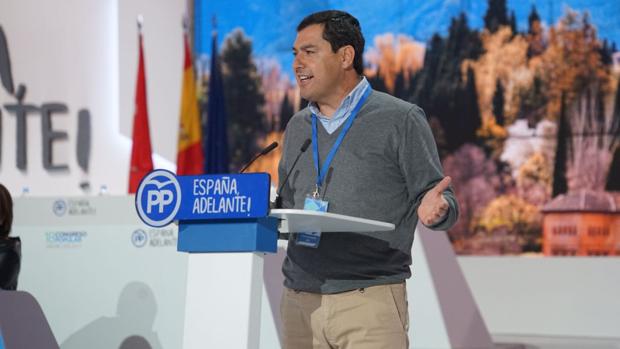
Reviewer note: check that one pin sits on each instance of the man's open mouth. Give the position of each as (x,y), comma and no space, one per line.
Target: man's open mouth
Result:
(304,78)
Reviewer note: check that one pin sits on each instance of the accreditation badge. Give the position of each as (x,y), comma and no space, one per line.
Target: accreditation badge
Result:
(311,239)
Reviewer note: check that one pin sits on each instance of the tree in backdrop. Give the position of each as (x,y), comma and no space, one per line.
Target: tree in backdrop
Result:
(532,102)
(593,141)
(533,19)
(505,61)
(517,216)
(512,23)
(468,123)
(377,82)
(498,103)
(606,51)
(497,15)
(535,33)
(613,178)
(244,99)
(476,183)
(401,86)
(563,149)
(439,135)
(442,91)
(427,76)
(274,86)
(571,63)
(566,67)
(534,179)
(286,112)
(393,60)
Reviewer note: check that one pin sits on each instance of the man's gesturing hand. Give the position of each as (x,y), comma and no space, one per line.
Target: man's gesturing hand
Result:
(434,206)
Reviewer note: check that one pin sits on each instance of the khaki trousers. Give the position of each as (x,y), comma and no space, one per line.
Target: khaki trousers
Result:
(375,317)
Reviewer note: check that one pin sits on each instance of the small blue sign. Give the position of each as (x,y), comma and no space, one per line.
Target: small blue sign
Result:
(226,196)
(139,238)
(163,197)
(158,198)
(59,207)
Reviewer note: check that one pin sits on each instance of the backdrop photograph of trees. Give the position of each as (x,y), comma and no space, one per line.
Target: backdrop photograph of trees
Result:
(523,99)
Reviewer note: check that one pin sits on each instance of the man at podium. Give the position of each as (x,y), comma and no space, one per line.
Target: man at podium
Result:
(371,156)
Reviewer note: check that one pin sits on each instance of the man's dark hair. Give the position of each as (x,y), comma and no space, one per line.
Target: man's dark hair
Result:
(6,212)
(339,29)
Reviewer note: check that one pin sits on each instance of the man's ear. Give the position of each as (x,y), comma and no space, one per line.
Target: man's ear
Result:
(347,55)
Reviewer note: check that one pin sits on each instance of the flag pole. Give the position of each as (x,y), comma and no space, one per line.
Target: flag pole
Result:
(141,150)
(185,23)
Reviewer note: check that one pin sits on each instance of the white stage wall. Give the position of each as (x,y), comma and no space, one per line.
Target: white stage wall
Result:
(99,274)
(559,296)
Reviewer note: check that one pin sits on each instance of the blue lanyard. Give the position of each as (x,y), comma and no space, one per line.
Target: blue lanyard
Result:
(330,156)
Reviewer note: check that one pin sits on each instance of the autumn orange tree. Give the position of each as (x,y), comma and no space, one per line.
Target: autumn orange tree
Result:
(571,62)
(503,63)
(514,214)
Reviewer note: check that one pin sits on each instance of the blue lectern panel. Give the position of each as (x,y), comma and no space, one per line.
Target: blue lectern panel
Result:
(247,235)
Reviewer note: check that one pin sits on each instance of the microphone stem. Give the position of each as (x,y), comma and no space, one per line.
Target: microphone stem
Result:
(250,163)
(279,192)
(265,151)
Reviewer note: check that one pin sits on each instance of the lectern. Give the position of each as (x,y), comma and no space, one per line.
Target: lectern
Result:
(224,290)
(226,226)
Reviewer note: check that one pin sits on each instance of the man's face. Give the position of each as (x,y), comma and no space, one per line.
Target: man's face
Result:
(318,69)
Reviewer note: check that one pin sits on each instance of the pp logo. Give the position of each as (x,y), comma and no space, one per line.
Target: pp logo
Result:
(139,238)
(59,207)
(158,198)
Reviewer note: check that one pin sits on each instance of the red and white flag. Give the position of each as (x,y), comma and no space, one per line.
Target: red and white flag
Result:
(141,160)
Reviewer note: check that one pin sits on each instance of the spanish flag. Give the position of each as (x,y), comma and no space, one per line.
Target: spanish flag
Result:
(190,156)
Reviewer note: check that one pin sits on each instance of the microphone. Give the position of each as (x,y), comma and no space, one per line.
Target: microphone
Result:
(265,150)
(302,150)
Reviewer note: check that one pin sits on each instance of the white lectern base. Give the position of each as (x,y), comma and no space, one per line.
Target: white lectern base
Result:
(219,311)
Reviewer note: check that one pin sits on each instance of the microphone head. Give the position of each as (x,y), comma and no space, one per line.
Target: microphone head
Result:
(305,146)
(269,148)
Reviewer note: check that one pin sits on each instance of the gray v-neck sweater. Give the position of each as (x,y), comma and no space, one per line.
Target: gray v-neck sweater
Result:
(386,163)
